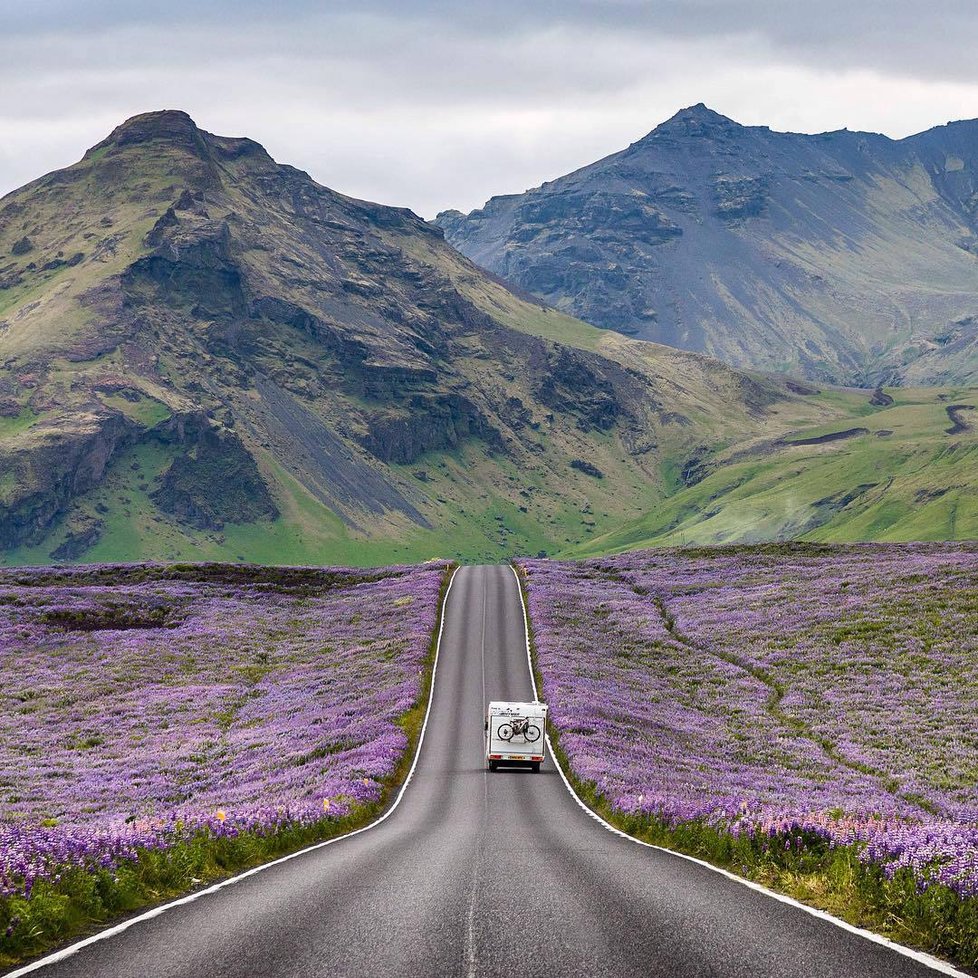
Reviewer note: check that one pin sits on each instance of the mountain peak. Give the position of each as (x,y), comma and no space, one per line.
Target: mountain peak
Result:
(700,111)
(177,128)
(163,124)
(171,125)
(697,119)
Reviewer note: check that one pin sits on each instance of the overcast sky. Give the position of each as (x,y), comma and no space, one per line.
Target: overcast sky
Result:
(433,104)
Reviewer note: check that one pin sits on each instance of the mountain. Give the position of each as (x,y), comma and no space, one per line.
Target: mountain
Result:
(843,257)
(206,354)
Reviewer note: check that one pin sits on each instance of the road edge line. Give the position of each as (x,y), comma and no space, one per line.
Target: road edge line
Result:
(921,957)
(72,949)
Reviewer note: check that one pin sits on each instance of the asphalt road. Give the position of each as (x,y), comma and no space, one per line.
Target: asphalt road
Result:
(483,874)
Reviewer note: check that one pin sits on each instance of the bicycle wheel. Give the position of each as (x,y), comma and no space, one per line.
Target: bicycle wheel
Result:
(531,733)
(505,731)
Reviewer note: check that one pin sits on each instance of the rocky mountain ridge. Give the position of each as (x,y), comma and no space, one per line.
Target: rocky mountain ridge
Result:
(205,353)
(843,257)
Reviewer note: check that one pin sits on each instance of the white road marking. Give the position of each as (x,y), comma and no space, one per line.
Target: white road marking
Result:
(470,952)
(928,960)
(73,949)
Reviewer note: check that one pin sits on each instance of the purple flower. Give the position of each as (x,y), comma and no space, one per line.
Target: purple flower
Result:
(136,706)
(789,693)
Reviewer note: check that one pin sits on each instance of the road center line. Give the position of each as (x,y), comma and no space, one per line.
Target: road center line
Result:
(470,953)
(485,606)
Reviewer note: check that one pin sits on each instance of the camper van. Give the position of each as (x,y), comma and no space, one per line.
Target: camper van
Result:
(516,734)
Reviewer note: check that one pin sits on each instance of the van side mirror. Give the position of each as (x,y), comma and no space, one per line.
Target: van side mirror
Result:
(487,725)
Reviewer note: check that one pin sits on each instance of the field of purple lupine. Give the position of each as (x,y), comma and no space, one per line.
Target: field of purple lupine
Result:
(797,695)
(142,705)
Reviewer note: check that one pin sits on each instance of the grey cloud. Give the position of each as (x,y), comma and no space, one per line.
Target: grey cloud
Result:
(432,103)
(892,35)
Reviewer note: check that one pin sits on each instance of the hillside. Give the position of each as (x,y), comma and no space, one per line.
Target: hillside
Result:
(845,257)
(205,354)
(898,471)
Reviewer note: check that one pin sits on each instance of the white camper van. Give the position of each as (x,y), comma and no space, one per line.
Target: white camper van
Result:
(516,733)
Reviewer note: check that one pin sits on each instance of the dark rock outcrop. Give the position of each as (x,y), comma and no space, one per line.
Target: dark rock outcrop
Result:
(171,126)
(440,423)
(571,385)
(82,535)
(52,468)
(588,468)
(214,481)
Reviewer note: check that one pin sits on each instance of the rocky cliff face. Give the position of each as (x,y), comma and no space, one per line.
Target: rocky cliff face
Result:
(844,256)
(206,353)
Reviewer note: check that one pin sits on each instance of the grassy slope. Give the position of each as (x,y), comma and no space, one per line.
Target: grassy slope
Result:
(922,481)
(489,508)
(44,311)
(918,483)
(478,520)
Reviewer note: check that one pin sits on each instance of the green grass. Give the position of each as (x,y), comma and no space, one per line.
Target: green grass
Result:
(146,411)
(11,426)
(45,310)
(478,518)
(542,321)
(917,483)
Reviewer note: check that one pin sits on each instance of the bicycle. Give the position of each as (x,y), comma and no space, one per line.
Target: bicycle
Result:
(517,727)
